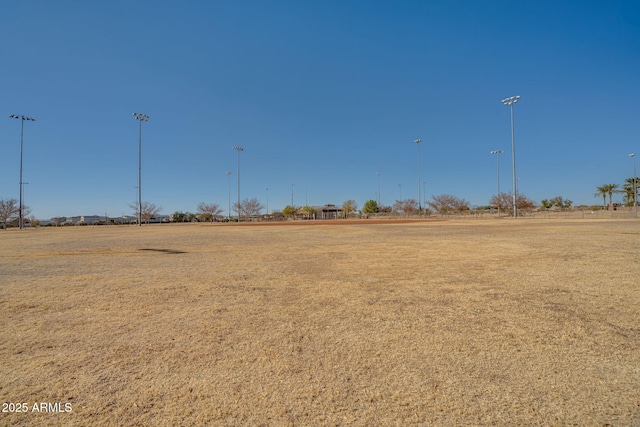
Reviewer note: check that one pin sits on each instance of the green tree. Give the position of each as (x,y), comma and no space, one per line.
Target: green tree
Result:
(558,201)
(601,191)
(371,206)
(308,212)
(179,216)
(562,203)
(609,189)
(289,211)
(628,190)
(349,207)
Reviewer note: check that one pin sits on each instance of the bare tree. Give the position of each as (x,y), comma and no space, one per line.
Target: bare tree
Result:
(208,211)
(148,211)
(447,203)
(505,202)
(9,211)
(407,206)
(248,207)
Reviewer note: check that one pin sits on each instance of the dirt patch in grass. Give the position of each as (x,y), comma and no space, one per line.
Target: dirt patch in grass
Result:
(528,322)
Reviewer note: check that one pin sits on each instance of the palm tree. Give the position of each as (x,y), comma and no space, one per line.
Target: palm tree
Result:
(611,188)
(601,191)
(628,189)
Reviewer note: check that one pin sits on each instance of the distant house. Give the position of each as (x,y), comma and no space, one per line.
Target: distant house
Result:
(124,219)
(328,211)
(160,218)
(88,220)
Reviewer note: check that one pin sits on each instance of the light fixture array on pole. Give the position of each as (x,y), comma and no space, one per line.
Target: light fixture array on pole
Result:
(21,206)
(238,149)
(140,118)
(497,153)
(510,102)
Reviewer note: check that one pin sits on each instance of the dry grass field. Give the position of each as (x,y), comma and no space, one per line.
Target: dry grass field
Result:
(494,322)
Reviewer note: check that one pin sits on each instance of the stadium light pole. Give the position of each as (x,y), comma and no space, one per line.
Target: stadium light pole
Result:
(140,118)
(21,207)
(238,149)
(24,196)
(635,188)
(229,194)
(497,153)
(378,173)
(424,193)
(418,141)
(510,102)
(267,200)
(293,186)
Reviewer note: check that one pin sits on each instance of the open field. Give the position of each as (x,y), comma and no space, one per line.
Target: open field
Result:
(526,322)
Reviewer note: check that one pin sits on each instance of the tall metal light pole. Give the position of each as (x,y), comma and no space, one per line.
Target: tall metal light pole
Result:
(378,173)
(635,185)
(267,200)
(140,118)
(400,187)
(229,194)
(418,141)
(238,149)
(21,207)
(25,197)
(424,193)
(497,153)
(293,186)
(510,102)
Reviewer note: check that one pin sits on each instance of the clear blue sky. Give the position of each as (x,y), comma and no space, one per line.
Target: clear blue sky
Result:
(321,94)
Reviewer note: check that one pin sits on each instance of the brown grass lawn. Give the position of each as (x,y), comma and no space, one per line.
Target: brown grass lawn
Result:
(477,322)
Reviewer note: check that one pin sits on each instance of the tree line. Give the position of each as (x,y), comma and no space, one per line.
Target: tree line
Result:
(629,189)
(442,204)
